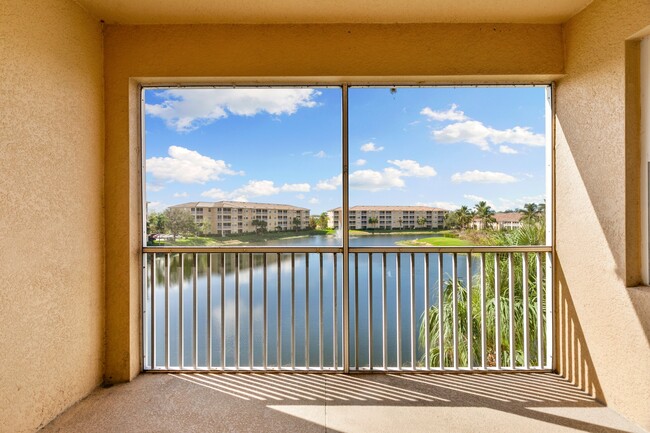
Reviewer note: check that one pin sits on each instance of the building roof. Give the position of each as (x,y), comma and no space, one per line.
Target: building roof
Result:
(238,204)
(392,208)
(503,217)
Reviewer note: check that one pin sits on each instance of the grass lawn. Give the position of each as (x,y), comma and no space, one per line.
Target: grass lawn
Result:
(437,242)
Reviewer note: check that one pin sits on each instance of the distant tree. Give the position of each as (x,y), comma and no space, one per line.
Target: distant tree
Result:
(422,221)
(373,221)
(323,221)
(260,225)
(401,222)
(179,221)
(296,223)
(278,228)
(313,222)
(451,220)
(155,223)
(485,214)
(464,217)
(532,213)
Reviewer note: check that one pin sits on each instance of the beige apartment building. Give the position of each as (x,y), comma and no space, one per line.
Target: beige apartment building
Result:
(389,217)
(502,221)
(230,217)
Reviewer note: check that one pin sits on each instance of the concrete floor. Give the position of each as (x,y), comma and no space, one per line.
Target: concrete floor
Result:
(337,403)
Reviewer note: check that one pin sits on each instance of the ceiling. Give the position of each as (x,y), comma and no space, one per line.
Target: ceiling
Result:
(332,11)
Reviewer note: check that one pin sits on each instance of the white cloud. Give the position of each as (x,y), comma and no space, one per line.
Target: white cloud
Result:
(410,168)
(371,147)
(314,200)
(329,184)
(473,197)
(154,187)
(320,154)
(372,180)
(180,194)
(215,194)
(295,187)
(187,109)
(300,196)
(360,162)
(477,176)
(188,166)
(255,188)
(507,150)
(440,204)
(451,114)
(475,132)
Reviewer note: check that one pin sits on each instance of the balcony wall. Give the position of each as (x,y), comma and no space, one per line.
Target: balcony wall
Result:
(604,318)
(286,53)
(51,210)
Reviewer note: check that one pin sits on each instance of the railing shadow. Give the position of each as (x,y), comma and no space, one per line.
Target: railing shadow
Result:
(532,395)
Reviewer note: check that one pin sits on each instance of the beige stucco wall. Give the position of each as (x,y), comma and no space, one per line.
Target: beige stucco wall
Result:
(51,210)
(227,53)
(604,320)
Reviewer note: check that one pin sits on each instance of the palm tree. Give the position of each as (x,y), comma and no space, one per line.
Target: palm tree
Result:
(373,221)
(532,213)
(527,235)
(485,214)
(422,221)
(464,217)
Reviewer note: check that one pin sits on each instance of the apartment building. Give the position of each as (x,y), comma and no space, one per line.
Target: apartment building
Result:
(230,217)
(389,217)
(503,221)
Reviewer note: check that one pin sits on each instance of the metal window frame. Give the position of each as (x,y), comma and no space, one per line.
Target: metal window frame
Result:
(345,248)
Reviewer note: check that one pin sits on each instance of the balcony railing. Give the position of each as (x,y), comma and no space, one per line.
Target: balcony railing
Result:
(403,309)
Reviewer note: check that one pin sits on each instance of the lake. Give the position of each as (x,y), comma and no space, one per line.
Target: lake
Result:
(306,304)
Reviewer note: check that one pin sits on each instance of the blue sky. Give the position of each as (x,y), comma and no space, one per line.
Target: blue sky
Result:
(440,146)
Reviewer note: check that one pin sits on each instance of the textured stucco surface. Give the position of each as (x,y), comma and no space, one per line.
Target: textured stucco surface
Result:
(333,11)
(604,322)
(51,211)
(443,52)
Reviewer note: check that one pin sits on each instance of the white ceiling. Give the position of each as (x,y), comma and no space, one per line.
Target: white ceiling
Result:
(332,11)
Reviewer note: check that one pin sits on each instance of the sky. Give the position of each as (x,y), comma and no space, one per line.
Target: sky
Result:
(437,146)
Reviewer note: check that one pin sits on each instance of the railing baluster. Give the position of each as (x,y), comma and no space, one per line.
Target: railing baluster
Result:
(511,309)
(209,311)
(153,311)
(195,309)
(384,318)
(237,311)
(222,311)
(307,311)
(441,306)
(398,304)
(279,313)
(525,307)
(497,311)
(370,273)
(550,331)
(412,302)
(356,311)
(454,306)
(540,345)
(320,312)
(181,336)
(468,286)
(427,343)
(265,331)
(334,311)
(167,311)
(293,311)
(483,316)
(250,311)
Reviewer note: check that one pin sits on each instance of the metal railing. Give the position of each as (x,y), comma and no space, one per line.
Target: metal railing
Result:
(408,309)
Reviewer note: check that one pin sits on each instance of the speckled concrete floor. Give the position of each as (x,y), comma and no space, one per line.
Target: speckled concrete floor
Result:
(338,403)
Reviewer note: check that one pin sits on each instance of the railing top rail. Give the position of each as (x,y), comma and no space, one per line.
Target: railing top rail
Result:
(329,249)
